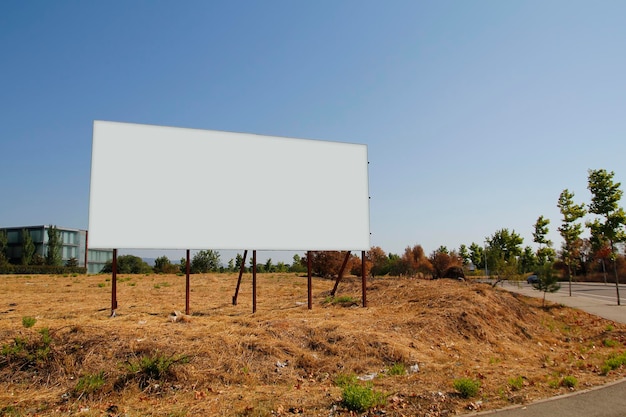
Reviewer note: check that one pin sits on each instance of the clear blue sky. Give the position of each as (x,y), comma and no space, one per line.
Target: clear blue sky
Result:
(476,114)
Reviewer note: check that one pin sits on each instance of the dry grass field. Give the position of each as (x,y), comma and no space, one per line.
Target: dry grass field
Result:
(398,357)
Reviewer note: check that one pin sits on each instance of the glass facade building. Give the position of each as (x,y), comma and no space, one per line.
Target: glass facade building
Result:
(73,245)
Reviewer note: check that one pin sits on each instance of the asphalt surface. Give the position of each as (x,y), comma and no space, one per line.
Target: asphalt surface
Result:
(605,401)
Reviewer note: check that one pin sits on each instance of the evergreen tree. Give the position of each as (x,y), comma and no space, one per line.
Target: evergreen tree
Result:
(4,243)
(205,261)
(28,248)
(53,256)
(547,280)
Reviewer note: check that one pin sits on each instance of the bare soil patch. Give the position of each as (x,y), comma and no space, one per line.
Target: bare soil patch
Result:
(415,338)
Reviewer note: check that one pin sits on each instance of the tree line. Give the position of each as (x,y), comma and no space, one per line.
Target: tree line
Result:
(32,262)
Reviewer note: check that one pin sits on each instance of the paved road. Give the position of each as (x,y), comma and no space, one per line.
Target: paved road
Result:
(594,298)
(605,401)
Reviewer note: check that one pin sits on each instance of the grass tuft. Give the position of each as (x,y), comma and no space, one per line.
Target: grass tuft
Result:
(467,387)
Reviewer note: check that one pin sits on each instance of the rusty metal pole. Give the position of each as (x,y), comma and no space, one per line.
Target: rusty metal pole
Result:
(254,281)
(114,283)
(363,279)
(341,271)
(308,268)
(187,284)
(309,281)
(242,268)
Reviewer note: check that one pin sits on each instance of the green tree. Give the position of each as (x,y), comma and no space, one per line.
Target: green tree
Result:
(605,197)
(268,267)
(205,261)
(53,256)
(477,255)
(547,280)
(128,264)
(4,244)
(544,253)
(504,248)
(527,260)
(297,265)
(464,254)
(570,230)
(162,265)
(28,248)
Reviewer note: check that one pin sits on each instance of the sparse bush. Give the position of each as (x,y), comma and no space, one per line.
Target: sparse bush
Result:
(90,383)
(467,387)
(27,353)
(342,380)
(154,367)
(397,369)
(613,362)
(516,383)
(569,381)
(357,397)
(608,342)
(28,321)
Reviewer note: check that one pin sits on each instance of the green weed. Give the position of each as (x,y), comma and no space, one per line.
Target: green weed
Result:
(90,383)
(342,380)
(358,398)
(28,321)
(569,381)
(516,383)
(467,387)
(613,362)
(397,369)
(608,342)
(154,367)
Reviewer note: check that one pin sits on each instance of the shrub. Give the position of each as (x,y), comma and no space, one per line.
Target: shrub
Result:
(27,353)
(154,367)
(342,380)
(516,383)
(41,269)
(609,342)
(397,369)
(569,381)
(356,397)
(90,383)
(28,321)
(467,387)
(613,362)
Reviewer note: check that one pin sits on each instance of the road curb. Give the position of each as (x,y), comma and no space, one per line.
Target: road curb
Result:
(545,400)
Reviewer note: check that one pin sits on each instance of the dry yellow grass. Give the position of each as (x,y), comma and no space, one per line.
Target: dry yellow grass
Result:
(285,359)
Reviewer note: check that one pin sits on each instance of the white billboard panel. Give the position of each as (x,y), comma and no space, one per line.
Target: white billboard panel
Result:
(155,187)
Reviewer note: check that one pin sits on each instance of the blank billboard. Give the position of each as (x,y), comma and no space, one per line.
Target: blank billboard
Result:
(156,187)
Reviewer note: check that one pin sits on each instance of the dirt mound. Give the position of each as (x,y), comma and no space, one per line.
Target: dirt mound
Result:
(415,338)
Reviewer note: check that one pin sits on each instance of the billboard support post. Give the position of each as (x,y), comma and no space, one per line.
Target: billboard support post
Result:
(242,268)
(187,284)
(363,279)
(254,281)
(341,272)
(308,281)
(114,283)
